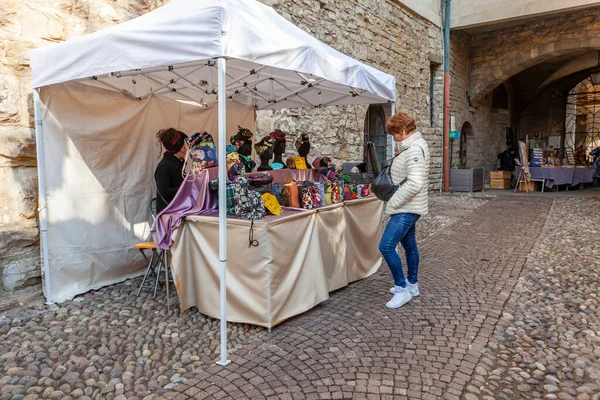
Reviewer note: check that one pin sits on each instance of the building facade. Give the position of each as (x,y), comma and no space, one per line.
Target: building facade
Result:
(518,69)
(522,70)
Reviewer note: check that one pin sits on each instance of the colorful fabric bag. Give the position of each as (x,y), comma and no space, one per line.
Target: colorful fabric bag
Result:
(204,152)
(321,187)
(271,203)
(260,182)
(347,193)
(247,204)
(300,163)
(290,195)
(214,185)
(311,198)
(336,193)
(327,188)
(291,162)
(364,190)
(277,189)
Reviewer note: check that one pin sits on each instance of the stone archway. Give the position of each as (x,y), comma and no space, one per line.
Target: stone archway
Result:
(483,81)
(497,56)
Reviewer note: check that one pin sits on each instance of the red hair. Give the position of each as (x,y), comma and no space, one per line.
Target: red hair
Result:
(401,123)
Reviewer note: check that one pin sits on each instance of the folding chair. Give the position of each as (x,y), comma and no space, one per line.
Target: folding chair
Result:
(157,260)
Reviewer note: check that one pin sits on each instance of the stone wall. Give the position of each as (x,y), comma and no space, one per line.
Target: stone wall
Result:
(381,33)
(25,25)
(386,36)
(546,115)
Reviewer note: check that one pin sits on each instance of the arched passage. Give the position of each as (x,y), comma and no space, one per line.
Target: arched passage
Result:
(485,77)
(466,135)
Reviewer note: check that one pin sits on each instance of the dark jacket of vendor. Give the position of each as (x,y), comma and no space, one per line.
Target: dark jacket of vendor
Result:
(168,174)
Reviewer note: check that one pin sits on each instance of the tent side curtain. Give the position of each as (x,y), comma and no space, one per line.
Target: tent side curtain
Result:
(100,152)
(172,50)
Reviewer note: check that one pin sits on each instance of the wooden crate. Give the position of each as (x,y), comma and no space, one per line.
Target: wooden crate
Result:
(499,184)
(500,175)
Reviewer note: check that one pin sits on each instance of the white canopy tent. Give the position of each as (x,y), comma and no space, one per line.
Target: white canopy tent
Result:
(205,52)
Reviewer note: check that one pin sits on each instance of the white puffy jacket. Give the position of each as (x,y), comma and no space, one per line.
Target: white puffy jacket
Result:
(412,164)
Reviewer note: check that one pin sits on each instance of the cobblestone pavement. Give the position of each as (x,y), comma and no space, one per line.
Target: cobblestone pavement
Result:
(107,344)
(547,343)
(353,347)
(110,344)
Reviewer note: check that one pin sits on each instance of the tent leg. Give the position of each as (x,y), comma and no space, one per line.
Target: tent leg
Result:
(222,105)
(43,213)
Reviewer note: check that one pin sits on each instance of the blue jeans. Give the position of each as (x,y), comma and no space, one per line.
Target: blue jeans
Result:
(401,229)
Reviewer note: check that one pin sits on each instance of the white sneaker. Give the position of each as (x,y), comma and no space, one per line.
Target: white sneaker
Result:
(401,297)
(412,288)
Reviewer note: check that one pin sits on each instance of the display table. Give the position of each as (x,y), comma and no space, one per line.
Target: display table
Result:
(301,256)
(571,176)
(194,197)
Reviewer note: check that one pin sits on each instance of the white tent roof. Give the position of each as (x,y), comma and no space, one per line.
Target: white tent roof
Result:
(172,50)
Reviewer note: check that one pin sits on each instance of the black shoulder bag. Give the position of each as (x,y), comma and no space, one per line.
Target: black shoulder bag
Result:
(383,186)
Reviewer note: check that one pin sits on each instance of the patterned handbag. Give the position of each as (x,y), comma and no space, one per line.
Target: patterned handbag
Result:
(204,151)
(300,163)
(260,182)
(289,195)
(354,191)
(248,204)
(336,193)
(321,187)
(214,185)
(327,188)
(307,199)
(311,198)
(277,189)
(316,196)
(347,193)
(364,190)
(271,203)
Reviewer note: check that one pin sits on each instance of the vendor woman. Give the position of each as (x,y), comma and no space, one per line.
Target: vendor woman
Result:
(168,174)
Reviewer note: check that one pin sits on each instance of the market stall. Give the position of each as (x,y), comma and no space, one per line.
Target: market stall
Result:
(210,54)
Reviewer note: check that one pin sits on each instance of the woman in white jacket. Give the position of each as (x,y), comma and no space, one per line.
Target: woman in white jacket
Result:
(409,170)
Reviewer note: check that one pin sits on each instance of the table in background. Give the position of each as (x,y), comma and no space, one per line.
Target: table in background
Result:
(570,176)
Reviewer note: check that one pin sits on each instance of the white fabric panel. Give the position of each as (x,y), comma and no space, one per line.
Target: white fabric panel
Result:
(100,154)
(186,35)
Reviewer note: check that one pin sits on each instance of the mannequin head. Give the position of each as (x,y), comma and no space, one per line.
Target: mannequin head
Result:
(264,149)
(243,141)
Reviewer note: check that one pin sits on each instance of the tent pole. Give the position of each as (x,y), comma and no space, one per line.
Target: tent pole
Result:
(392,142)
(222,106)
(43,213)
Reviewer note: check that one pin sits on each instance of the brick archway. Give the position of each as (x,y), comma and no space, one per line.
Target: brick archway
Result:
(496,56)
